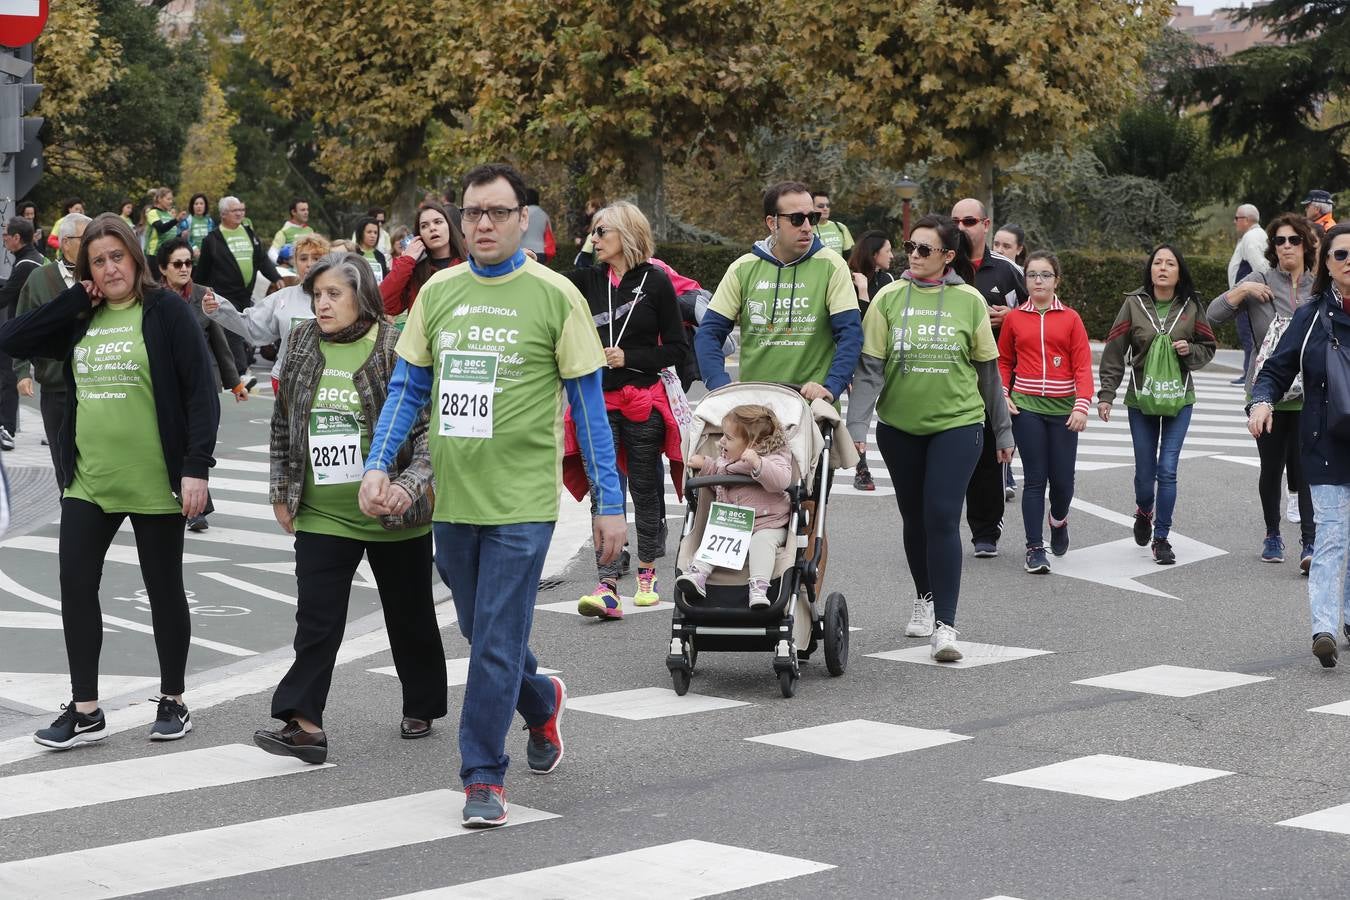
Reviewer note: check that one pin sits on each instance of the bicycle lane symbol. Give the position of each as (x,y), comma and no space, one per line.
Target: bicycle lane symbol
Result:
(141,602)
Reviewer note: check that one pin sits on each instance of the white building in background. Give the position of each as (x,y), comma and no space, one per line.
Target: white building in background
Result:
(1218,30)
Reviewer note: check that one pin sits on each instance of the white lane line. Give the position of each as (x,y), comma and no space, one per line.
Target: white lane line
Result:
(255,590)
(365,577)
(243,465)
(47,690)
(256,448)
(244,510)
(10,586)
(238,485)
(146,776)
(684,870)
(456,671)
(14,619)
(177,860)
(261,540)
(116,553)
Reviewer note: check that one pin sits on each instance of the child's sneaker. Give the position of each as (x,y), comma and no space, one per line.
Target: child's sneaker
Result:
(603,604)
(696,580)
(646,593)
(759,593)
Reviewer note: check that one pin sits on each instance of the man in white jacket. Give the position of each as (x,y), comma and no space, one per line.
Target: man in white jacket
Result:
(1248,256)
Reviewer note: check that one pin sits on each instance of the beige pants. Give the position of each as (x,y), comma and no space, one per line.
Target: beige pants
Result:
(764,546)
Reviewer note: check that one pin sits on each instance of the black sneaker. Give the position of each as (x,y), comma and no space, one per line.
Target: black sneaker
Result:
(1162,552)
(1059,539)
(171,722)
(1324,648)
(1143,527)
(1037,562)
(862,478)
(72,728)
(985,549)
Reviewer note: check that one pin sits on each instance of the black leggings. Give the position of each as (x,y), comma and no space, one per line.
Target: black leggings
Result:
(930,473)
(324,568)
(86,533)
(642,443)
(1279,452)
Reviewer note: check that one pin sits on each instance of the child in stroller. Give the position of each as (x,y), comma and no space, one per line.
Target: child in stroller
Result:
(752,443)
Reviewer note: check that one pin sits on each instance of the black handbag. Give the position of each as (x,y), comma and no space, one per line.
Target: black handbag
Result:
(1338,384)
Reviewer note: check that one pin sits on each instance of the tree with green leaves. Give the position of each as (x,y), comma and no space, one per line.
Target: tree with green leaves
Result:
(1284,105)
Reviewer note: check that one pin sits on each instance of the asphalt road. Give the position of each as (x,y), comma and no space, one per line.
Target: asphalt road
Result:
(1151,795)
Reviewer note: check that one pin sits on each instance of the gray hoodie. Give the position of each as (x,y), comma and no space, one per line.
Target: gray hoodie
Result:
(1284,301)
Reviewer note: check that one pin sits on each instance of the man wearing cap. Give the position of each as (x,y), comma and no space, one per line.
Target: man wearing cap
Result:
(1317,207)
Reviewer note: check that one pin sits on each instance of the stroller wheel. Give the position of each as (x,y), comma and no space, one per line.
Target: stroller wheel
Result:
(787,682)
(681,681)
(836,633)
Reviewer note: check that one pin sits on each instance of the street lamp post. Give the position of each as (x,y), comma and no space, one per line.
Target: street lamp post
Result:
(907,190)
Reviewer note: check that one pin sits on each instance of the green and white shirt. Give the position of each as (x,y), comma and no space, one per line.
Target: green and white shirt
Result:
(242,250)
(835,236)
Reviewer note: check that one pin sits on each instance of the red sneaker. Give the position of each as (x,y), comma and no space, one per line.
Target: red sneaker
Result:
(545,749)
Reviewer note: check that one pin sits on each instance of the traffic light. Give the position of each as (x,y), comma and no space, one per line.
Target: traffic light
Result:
(20,148)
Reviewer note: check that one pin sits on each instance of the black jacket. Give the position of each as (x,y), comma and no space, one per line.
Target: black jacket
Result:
(186,401)
(218,269)
(999,280)
(650,332)
(1326,460)
(26,262)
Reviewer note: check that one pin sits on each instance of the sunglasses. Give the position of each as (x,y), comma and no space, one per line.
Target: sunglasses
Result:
(1292,240)
(1340,255)
(180,264)
(796,219)
(600,232)
(968,221)
(923,250)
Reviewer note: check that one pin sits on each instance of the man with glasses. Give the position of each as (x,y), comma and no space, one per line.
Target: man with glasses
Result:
(1248,256)
(42,287)
(834,235)
(295,226)
(495,345)
(27,260)
(794,301)
(999,280)
(231,259)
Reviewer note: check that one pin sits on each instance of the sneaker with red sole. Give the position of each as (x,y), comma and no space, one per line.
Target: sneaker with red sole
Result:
(604,603)
(545,749)
(484,806)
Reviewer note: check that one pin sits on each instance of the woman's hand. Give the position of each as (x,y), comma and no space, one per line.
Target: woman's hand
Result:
(1004,454)
(614,357)
(1183,348)
(1254,290)
(416,249)
(1012,407)
(751,459)
(397,500)
(209,302)
(1077,421)
(95,295)
(193,492)
(284,517)
(860,285)
(1104,411)
(1260,420)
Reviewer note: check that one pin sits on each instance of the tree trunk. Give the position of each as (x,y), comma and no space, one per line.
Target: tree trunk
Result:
(649,169)
(987,185)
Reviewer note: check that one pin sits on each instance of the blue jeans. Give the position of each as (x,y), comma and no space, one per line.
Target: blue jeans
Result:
(1156,467)
(493,572)
(1328,586)
(1048,450)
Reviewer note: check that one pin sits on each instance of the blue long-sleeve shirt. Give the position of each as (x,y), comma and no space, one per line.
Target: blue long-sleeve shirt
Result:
(848,341)
(410,390)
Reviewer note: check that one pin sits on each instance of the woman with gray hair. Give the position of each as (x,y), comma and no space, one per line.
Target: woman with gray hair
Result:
(332,385)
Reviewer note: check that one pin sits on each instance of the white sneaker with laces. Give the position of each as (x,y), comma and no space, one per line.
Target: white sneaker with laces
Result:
(944,643)
(921,622)
(1292,513)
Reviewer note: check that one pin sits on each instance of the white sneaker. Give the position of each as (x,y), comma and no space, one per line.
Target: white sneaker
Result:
(921,622)
(944,644)
(1292,512)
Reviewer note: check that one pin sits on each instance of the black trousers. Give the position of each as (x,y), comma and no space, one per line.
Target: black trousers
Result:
(243,353)
(53,406)
(642,443)
(984,495)
(324,568)
(86,533)
(1279,452)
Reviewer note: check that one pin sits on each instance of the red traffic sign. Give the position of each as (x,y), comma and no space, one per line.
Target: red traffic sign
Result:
(21,21)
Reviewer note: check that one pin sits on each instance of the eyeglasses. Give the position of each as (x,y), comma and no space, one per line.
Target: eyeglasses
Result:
(796,219)
(923,250)
(968,221)
(1292,240)
(180,263)
(498,214)
(1040,276)
(1340,255)
(600,232)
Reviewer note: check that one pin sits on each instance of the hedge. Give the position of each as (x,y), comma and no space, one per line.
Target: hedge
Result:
(1094,283)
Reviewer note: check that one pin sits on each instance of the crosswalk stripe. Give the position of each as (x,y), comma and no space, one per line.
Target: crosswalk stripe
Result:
(260,539)
(176,860)
(146,776)
(14,619)
(684,870)
(243,465)
(239,485)
(244,510)
(256,448)
(255,590)
(116,553)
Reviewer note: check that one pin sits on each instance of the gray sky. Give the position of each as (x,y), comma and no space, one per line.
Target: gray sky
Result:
(1208,6)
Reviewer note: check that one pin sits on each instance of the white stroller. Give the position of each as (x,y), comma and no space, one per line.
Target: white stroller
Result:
(797,621)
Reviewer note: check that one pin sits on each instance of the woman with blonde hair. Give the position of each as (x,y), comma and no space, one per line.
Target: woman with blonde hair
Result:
(635,311)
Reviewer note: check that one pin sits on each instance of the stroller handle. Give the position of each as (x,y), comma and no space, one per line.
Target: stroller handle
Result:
(708,481)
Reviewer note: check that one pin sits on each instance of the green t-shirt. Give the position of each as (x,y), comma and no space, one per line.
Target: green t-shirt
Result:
(152,236)
(835,236)
(500,349)
(1046,406)
(337,428)
(784,314)
(374,264)
(198,228)
(930,339)
(119,460)
(288,233)
(242,248)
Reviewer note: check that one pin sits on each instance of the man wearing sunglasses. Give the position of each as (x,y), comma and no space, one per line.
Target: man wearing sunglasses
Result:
(794,301)
(999,280)
(832,234)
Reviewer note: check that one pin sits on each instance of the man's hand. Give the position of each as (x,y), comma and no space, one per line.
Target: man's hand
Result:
(193,492)
(609,533)
(26,387)
(996,314)
(1104,411)
(1004,454)
(284,517)
(813,392)
(373,498)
